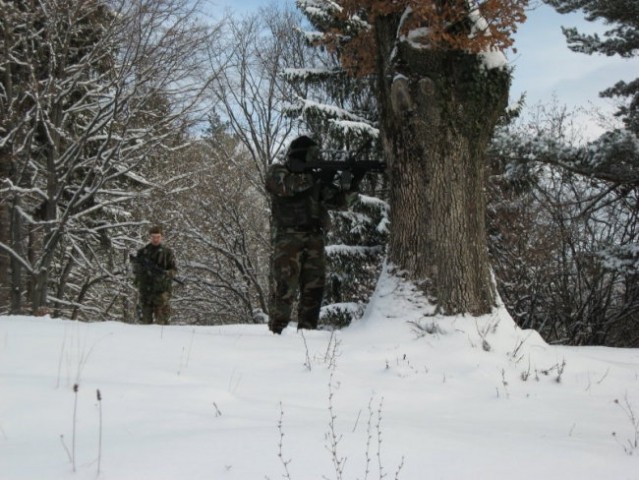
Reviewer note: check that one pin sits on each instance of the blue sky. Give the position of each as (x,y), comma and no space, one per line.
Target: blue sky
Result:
(544,66)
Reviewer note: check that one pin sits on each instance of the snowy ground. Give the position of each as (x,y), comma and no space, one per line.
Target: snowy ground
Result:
(476,398)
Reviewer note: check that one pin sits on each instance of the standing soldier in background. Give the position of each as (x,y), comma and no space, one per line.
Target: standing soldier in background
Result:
(299,205)
(154,268)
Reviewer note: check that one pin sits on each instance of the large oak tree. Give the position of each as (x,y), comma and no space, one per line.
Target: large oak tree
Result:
(442,86)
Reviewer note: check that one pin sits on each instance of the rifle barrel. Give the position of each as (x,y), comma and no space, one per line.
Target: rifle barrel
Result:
(338,165)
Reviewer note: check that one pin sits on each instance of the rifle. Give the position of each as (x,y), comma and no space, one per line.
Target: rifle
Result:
(152,267)
(326,169)
(349,163)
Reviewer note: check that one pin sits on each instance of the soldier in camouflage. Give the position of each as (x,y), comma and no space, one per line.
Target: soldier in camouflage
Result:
(299,205)
(154,267)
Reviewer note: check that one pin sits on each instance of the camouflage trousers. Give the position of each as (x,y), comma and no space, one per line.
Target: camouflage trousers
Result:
(155,306)
(297,267)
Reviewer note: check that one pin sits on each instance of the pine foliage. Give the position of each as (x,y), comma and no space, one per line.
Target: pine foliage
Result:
(341,112)
(621,39)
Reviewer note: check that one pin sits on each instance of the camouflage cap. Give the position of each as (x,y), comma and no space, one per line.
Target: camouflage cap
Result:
(155,229)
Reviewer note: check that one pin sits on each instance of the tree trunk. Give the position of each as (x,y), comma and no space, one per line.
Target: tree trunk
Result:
(16,240)
(7,287)
(5,237)
(439,109)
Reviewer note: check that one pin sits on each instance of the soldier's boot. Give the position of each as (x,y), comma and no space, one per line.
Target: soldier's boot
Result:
(162,313)
(280,305)
(146,317)
(277,325)
(276,329)
(309,309)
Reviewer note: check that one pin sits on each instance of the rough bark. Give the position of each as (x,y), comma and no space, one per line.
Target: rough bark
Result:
(439,109)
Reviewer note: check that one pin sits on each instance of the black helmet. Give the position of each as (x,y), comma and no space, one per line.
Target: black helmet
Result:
(303,148)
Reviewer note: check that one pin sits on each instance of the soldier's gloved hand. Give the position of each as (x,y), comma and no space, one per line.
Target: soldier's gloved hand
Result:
(345,180)
(357,178)
(301,182)
(330,192)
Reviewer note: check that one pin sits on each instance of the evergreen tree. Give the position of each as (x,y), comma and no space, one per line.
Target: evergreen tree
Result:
(341,113)
(622,39)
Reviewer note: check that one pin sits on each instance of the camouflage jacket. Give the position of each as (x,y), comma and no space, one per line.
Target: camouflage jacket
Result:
(301,202)
(154,267)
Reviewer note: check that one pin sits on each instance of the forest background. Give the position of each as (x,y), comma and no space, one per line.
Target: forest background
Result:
(155,112)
